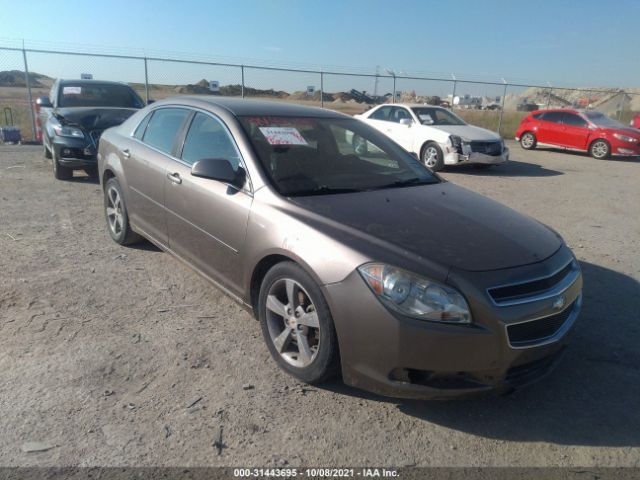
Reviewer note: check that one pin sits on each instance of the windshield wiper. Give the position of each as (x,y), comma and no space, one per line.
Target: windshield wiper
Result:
(409,182)
(322,191)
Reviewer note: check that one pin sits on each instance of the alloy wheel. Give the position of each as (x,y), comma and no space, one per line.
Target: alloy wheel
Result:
(292,322)
(527,140)
(600,149)
(431,157)
(114,211)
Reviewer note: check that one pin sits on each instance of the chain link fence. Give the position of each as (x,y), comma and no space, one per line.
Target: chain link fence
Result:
(26,74)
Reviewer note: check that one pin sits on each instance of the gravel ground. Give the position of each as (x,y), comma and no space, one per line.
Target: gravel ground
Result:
(122,356)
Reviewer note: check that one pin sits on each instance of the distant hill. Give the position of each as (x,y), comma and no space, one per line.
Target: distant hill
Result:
(15,78)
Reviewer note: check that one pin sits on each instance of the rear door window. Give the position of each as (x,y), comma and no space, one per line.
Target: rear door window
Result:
(163,128)
(553,117)
(381,114)
(141,127)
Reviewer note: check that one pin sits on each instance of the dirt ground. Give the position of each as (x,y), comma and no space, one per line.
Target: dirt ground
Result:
(122,356)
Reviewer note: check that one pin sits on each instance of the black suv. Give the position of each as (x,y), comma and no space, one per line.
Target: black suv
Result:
(74,116)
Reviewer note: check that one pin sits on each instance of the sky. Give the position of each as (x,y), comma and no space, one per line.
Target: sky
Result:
(567,43)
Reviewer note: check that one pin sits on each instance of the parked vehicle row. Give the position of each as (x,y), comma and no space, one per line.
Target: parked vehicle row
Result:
(354,257)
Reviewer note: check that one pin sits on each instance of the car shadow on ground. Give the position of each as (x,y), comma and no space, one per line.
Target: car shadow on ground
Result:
(79,177)
(591,398)
(585,155)
(512,168)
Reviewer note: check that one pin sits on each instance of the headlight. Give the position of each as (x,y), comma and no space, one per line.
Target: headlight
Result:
(625,138)
(415,296)
(64,131)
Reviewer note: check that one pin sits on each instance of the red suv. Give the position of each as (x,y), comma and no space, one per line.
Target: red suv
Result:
(583,130)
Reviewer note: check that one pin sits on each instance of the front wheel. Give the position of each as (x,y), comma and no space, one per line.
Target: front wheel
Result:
(297,324)
(528,141)
(432,157)
(60,172)
(600,149)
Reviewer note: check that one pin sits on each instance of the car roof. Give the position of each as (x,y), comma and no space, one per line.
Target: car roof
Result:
(410,105)
(244,107)
(65,81)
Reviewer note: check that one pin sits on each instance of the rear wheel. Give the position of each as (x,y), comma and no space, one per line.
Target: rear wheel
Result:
(432,157)
(600,149)
(60,172)
(297,324)
(528,141)
(116,214)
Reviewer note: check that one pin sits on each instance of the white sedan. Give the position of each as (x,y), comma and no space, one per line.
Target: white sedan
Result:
(437,136)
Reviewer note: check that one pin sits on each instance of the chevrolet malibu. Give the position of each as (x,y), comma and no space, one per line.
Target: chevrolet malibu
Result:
(360,263)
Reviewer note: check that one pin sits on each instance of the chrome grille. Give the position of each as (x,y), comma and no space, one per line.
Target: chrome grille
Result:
(488,148)
(537,288)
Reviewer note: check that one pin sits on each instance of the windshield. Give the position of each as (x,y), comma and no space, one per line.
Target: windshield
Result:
(98,95)
(437,116)
(320,156)
(601,120)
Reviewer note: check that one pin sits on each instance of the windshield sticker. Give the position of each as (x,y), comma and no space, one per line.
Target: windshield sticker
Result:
(71,90)
(283,136)
(425,116)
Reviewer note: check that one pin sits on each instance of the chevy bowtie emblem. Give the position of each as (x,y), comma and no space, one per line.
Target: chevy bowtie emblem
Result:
(559,302)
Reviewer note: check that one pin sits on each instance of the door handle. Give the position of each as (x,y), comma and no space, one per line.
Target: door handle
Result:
(174,177)
(126,153)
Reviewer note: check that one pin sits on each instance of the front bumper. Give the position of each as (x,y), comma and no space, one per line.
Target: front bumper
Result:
(455,158)
(396,356)
(74,152)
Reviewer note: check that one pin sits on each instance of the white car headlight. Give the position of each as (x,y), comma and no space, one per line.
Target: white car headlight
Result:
(415,296)
(625,138)
(65,131)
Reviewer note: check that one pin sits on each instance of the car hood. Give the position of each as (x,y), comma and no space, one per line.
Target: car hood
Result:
(629,131)
(94,118)
(469,132)
(444,223)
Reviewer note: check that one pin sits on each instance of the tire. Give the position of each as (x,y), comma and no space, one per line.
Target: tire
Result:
(116,215)
(432,157)
(528,141)
(60,172)
(359,145)
(46,151)
(288,283)
(600,149)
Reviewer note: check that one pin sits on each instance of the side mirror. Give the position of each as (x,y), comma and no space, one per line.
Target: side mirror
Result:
(218,169)
(406,121)
(44,102)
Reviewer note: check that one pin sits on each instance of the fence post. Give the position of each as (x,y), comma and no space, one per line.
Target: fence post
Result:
(549,96)
(504,95)
(321,90)
(146,81)
(394,87)
(30,98)
(453,95)
(242,80)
